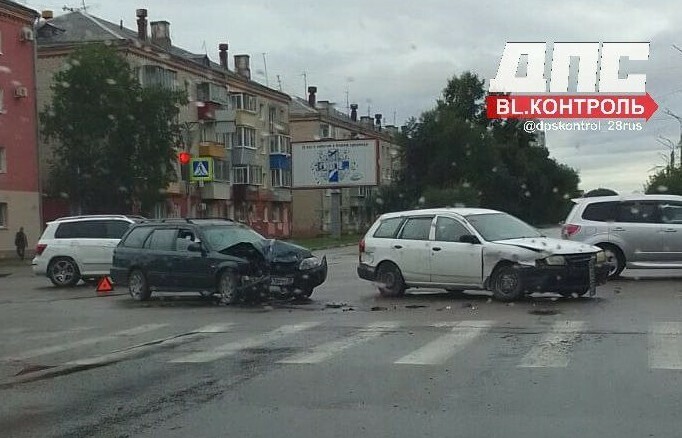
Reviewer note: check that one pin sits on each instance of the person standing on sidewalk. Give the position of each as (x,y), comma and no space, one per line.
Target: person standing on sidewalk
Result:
(21,243)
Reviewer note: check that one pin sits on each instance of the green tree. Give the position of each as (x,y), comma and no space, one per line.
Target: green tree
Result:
(501,165)
(113,139)
(600,192)
(665,181)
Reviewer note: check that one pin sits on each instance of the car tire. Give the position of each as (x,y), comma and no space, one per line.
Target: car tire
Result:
(63,272)
(507,284)
(228,287)
(615,256)
(138,287)
(390,281)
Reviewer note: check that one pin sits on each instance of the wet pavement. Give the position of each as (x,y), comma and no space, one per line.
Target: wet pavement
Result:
(347,362)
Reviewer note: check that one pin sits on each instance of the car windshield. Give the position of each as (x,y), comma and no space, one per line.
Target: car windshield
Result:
(500,226)
(225,236)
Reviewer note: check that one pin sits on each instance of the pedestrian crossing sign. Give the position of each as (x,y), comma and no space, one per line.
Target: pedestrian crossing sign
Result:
(202,169)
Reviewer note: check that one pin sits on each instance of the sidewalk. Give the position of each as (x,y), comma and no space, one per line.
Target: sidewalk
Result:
(14,266)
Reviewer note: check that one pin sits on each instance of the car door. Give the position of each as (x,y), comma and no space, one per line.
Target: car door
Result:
(192,269)
(671,230)
(89,245)
(160,262)
(637,229)
(413,248)
(454,262)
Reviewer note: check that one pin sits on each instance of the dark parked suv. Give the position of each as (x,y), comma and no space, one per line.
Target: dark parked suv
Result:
(212,256)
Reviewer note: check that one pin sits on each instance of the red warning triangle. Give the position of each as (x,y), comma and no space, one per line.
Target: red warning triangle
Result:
(105,285)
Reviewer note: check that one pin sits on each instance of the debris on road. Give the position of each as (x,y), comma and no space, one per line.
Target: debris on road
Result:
(415,306)
(377,308)
(335,305)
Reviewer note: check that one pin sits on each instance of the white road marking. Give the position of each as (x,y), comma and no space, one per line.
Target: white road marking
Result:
(326,351)
(117,356)
(233,347)
(88,341)
(665,346)
(555,347)
(442,348)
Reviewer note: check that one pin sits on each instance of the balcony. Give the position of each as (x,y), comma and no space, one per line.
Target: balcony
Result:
(216,190)
(207,111)
(246,118)
(211,149)
(242,156)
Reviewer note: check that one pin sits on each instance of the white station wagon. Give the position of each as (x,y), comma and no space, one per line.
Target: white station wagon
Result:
(470,248)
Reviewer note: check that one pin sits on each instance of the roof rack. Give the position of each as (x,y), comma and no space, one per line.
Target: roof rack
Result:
(93,216)
(187,220)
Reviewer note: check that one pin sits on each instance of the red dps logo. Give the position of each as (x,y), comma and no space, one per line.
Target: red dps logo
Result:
(601,92)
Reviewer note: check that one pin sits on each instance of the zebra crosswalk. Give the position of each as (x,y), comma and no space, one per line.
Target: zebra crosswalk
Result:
(316,342)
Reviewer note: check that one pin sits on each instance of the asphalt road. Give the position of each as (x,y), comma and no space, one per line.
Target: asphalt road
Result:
(348,363)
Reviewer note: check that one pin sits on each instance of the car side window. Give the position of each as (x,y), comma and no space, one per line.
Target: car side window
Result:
(388,228)
(417,228)
(601,212)
(82,230)
(671,212)
(116,229)
(185,238)
(449,230)
(137,237)
(638,212)
(162,239)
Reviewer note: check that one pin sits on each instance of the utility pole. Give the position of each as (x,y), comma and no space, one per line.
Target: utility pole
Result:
(305,83)
(679,120)
(279,82)
(347,102)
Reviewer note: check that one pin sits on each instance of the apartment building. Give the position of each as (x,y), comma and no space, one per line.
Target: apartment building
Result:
(313,120)
(19,184)
(231,119)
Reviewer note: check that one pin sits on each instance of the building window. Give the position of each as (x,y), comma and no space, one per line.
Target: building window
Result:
(280,144)
(3,160)
(221,170)
(252,175)
(3,215)
(243,101)
(244,137)
(280,177)
(276,213)
(326,131)
(156,76)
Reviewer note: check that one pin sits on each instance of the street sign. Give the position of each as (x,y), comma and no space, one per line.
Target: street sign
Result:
(201,169)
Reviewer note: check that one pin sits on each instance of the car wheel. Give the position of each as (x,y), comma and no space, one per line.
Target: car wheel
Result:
(63,272)
(507,284)
(615,258)
(227,287)
(390,279)
(138,286)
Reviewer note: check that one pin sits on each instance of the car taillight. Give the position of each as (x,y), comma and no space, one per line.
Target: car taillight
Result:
(40,248)
(361,248)
(569,230)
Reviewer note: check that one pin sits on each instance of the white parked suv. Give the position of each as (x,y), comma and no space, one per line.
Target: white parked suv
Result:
(636,231)
(470,248)
(79,247)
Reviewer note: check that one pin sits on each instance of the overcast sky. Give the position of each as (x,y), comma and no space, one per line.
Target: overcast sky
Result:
(396,57)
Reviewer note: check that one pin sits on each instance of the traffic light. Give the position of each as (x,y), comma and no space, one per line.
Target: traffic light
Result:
(184,157)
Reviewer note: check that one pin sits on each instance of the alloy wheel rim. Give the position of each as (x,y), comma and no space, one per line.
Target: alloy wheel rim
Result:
(612,261)
(507,283)
(63,272)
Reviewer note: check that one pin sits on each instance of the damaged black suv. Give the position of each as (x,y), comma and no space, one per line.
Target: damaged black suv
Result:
(213,256)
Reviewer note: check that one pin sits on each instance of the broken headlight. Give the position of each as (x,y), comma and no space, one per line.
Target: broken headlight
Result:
(601,257)
(309,263)
(556,260)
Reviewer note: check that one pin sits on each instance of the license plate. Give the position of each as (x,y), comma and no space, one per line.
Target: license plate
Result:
(281,281)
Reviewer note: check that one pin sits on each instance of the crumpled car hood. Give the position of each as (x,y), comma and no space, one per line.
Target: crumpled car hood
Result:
(549,245)
(278,251)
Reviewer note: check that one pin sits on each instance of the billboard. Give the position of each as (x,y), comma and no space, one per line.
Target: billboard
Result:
(335,163)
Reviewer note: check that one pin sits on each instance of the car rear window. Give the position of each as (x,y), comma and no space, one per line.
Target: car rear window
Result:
(388,228)
(601,212)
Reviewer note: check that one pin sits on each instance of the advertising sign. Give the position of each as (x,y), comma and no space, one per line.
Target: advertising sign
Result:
(335,163)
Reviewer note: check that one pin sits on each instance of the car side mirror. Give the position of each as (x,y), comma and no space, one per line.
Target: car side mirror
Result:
(469,238)
(195,247)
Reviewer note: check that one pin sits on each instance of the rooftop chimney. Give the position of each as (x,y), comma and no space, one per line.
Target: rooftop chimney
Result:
(222,47)
(377,117)
(241,66)
(354,112)
(141,23)
(311,96)
(161,33)
(47,14)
